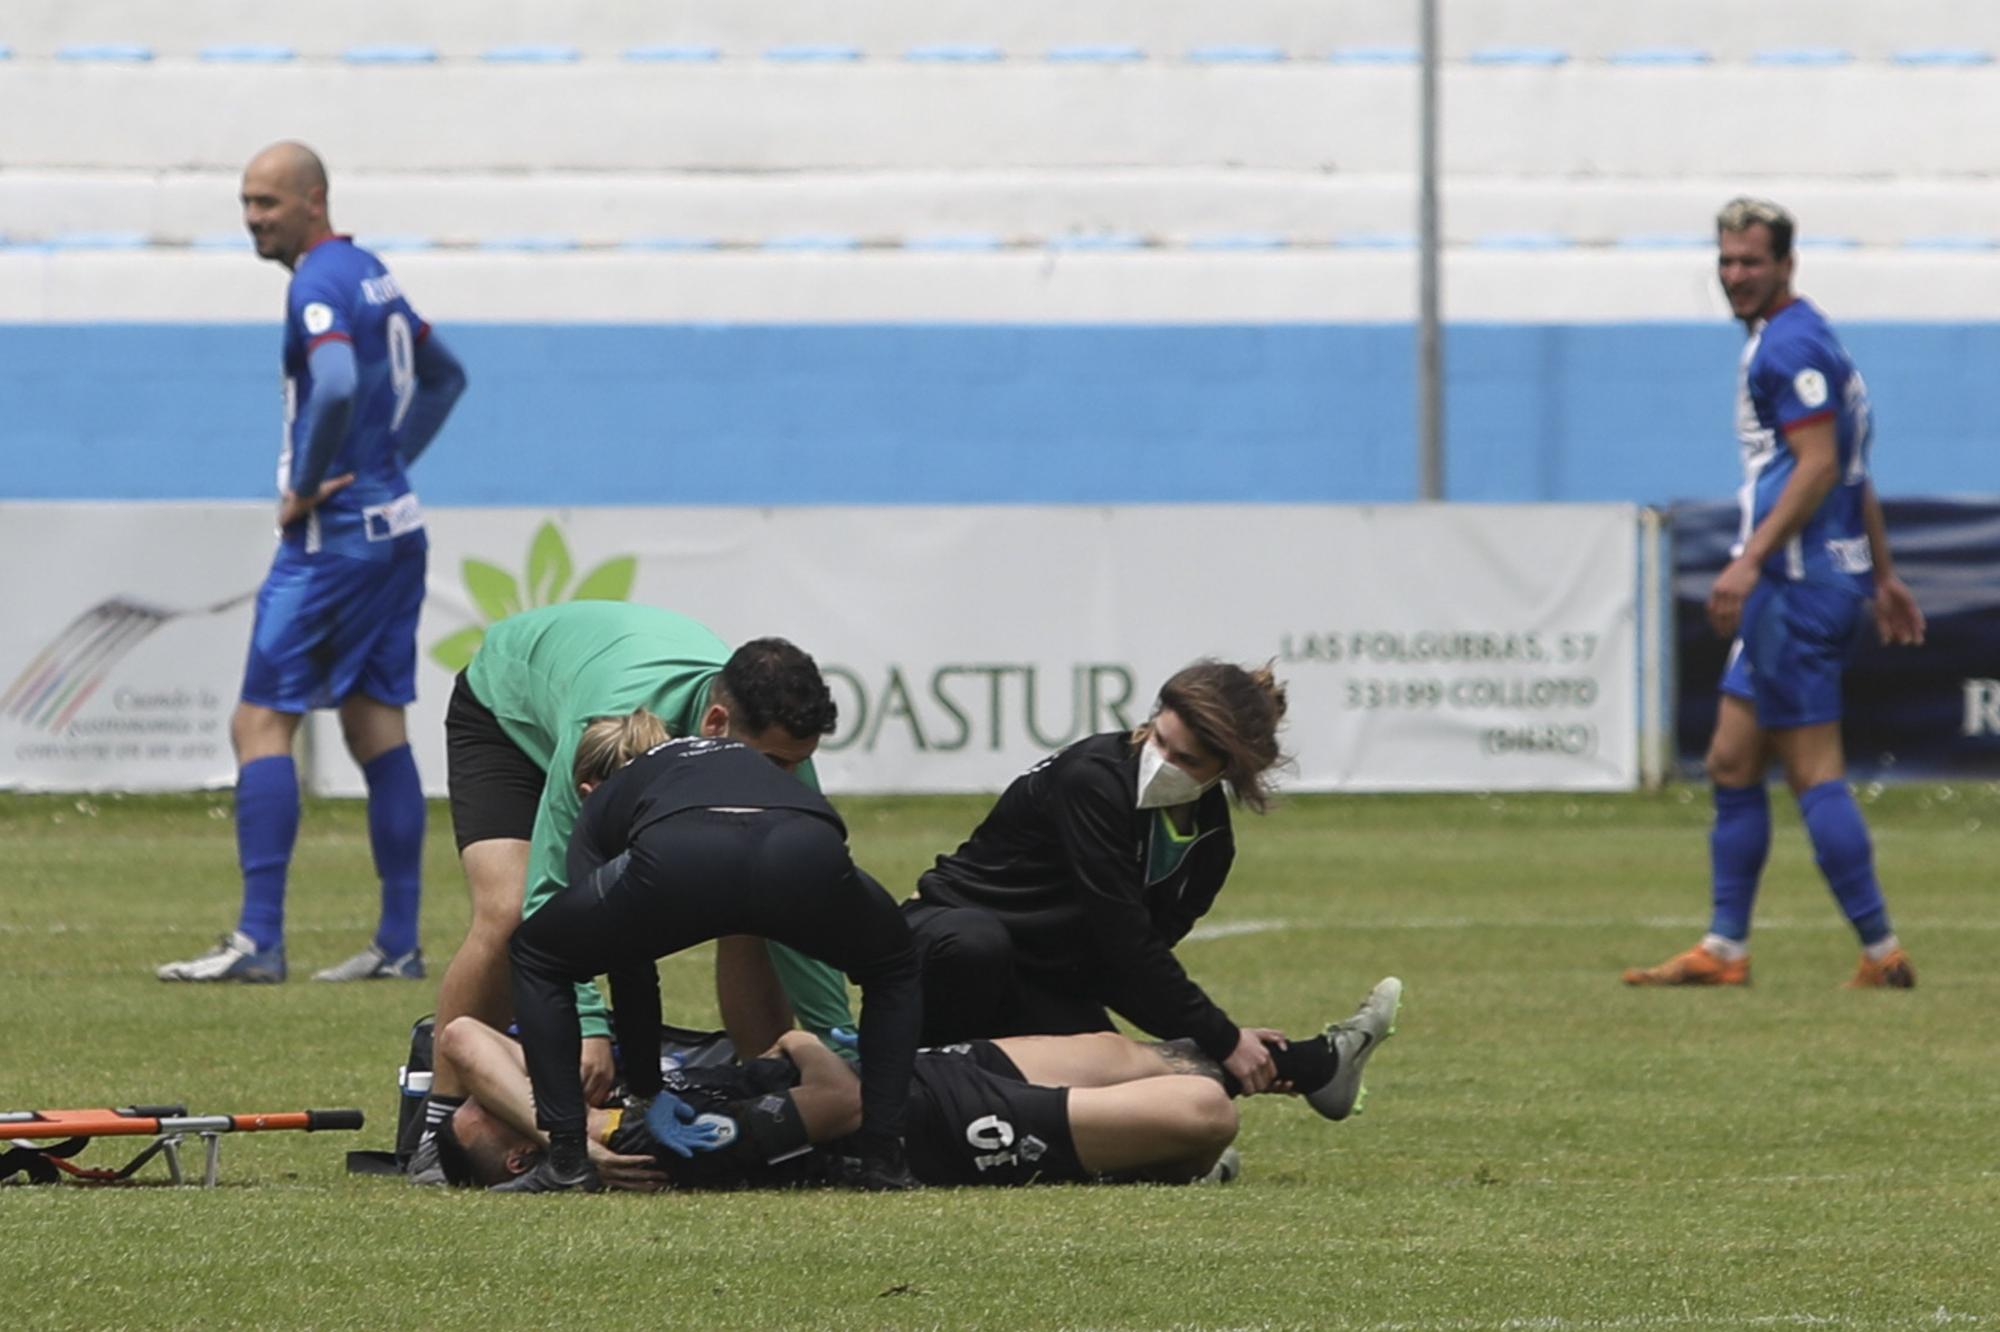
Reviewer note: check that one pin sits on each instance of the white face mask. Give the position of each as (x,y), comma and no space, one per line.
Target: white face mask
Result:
(1161,783)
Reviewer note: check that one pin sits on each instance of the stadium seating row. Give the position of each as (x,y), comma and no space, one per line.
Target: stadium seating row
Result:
(1728,29)
(1854,122)
(1349,285)
(1173,206)
(978,53)
(964,242)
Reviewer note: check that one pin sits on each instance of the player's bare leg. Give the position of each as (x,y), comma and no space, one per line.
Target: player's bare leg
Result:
(1739,751)
(478,981)
(371,728)
(1093,1059)
(1172,1128)
(748,994)
(256,731)
(1809,755)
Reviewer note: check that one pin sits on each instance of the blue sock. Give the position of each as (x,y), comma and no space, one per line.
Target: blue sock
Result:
(1737,846)
(396,834)
(1846,857)
(267,823)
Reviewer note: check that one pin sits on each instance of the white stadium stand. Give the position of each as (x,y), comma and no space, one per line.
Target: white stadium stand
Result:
(902,130)
(1727,30)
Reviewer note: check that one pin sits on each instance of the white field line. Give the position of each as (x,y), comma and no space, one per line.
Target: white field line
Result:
(1230,929)
(1557,1323)
(1618,1323)
(57,928)
(54,927)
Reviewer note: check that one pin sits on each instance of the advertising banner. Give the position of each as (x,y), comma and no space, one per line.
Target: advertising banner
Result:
(1911,712)
(1424,647)
(122,634)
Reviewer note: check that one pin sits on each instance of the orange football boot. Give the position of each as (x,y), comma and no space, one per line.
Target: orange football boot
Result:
(1893,972)
(1697,966)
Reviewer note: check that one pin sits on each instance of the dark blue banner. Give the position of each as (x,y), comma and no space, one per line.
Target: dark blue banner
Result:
(1922,712)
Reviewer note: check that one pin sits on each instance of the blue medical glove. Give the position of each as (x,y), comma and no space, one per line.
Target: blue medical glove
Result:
(673,1125)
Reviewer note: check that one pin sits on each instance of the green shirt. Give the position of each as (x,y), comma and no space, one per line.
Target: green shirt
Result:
(547,674)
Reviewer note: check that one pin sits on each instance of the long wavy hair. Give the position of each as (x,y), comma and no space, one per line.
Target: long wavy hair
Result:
(1235,712)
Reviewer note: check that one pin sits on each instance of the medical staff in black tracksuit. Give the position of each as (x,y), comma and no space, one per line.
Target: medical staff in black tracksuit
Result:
(1068,900)
(698,839)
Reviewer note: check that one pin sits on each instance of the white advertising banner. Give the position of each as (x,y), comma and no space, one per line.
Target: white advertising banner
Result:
(1425,647)
(122,634)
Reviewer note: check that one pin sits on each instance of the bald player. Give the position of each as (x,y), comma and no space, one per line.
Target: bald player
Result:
(367,385)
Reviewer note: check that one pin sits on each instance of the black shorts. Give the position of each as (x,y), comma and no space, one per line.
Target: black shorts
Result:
(973,1120)
(495,788)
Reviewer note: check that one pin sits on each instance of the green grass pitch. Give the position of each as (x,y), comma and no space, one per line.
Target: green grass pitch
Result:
(1542,1148)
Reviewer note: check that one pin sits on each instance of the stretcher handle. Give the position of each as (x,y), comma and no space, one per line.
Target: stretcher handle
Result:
(333,1119)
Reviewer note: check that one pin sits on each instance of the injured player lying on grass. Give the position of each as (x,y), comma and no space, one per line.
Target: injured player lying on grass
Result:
(1018,1110)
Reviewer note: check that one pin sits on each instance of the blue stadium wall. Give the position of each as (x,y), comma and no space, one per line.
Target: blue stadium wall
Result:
(565,414)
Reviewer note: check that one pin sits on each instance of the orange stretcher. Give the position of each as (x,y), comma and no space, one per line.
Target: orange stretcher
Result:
(168,1125)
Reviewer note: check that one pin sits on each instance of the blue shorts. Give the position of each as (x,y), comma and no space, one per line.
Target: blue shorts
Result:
(1791,650)
(330,626)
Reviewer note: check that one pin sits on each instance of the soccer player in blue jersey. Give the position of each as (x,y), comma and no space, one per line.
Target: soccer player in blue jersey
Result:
(1813,552)
(366,387)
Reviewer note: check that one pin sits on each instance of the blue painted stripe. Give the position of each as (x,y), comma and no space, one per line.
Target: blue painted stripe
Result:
(248,53)
(1660,55)
(672,243)
(1377,240)
(99,240)
(673,53)
(395,244)
(531,54)
(1523,240)
(1802,56)
(1964,242)
(812,52)
(1237,54)
(223,241)
(1667,240)
(840,414)
(390,54)
(1236,240)
(955,53)
(1518,55)
(1944,55)
(1374,55)
(112,51)
(813,240)
(1096,53)
(530,244)
(955,241)
(1098,240)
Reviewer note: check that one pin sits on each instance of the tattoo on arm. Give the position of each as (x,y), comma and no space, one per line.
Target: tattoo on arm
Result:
(1184,1056)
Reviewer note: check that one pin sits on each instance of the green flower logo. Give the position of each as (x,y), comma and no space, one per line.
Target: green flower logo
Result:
(499,594)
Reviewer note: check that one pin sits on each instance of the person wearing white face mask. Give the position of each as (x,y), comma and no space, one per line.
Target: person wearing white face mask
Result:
(1066,902)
